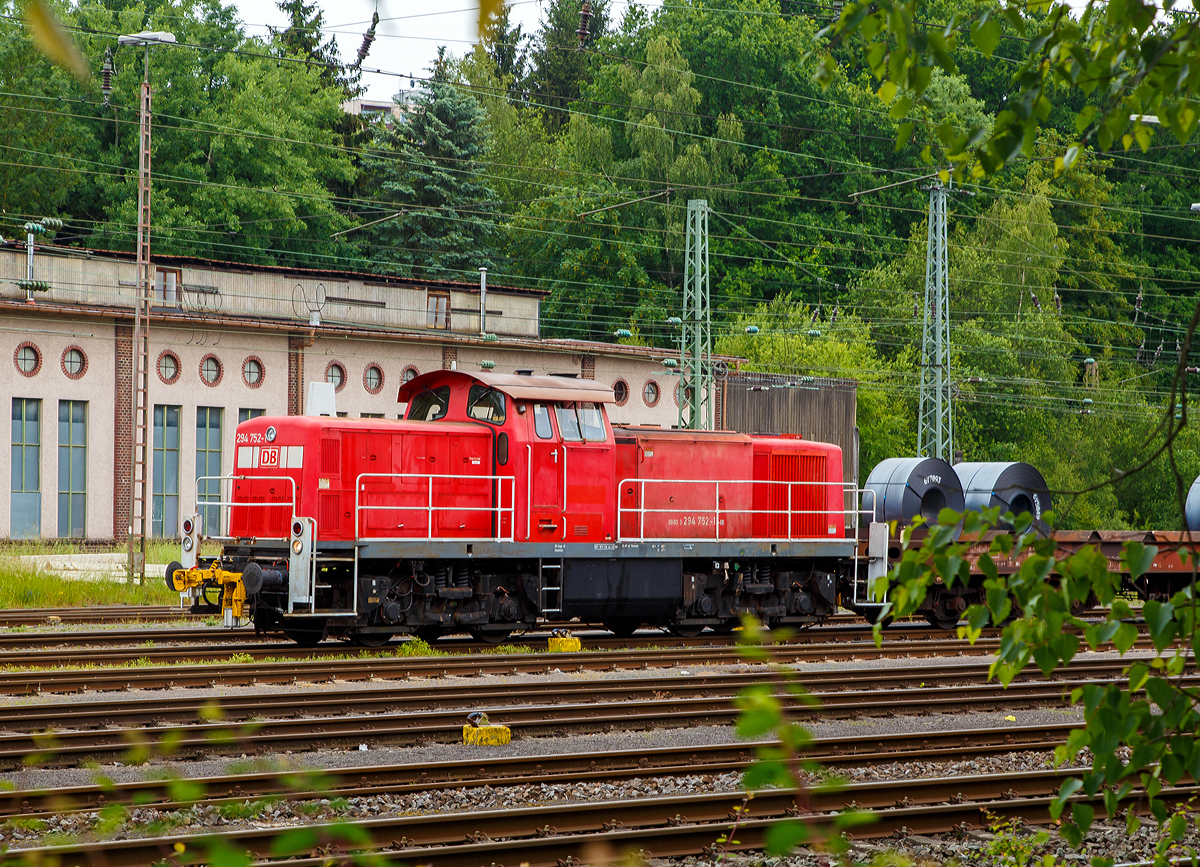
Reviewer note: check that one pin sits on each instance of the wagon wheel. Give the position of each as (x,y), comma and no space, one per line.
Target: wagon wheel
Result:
(490,636)
(691,630)
(428,634)
(726,627)
(943,623)
(622,628)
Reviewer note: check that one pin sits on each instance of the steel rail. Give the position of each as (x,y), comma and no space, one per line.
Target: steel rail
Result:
(256,737)
(393,699)
(220,638)
(20,674)
(93,614)
(696,819)
(366,781)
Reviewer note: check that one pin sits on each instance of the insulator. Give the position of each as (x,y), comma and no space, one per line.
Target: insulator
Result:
(833,318)
(916,310)
(816,313)
(1058,302)
(1158,352)
(1036,303)
(585,17)
(106,75)
(368,39)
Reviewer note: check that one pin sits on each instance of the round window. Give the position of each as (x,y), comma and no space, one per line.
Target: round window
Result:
(335,375)
(621,391)
(168,367)
(373,378)
(650,393)
(210,370)
(28,360)
(73,362)
(410,373)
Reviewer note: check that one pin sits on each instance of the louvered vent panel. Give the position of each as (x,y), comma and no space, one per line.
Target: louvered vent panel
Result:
(331,457)
(330,514)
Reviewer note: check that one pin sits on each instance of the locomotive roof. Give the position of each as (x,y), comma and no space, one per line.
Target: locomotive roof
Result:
(518,387)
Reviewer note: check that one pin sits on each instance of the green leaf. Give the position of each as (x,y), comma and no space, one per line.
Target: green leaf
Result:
(1068,788)
(1137,558)
(887,91)
(986,33)
(782,837)
(1160,618)
(1082,815)
(1125,637)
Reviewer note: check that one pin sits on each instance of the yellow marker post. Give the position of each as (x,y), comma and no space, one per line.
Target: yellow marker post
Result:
(486,735)
(564,644)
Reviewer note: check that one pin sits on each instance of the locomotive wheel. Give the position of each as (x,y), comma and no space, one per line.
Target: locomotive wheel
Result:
(368,639)
(944,623)
(727,627)
(428,634)
(622,628)
(305,637)
(490,636)
(691,630)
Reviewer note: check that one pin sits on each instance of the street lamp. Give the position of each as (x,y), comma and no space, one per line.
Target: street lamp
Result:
(141,316)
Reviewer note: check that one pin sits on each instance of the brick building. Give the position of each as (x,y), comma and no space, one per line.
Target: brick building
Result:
(229,342)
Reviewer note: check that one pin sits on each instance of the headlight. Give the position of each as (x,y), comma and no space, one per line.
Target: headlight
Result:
(187,527)
(297,528)
(297,546)
(187,543)
(271,434)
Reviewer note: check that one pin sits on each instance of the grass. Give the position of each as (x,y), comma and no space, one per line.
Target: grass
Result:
(24,586)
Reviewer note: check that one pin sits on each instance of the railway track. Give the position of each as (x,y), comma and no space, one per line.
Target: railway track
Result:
(31,672)
(220,638)
(10,617)
(661,827)
(437,714)
(367,781)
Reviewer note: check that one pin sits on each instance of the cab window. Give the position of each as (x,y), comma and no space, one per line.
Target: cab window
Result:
(568,423)
(485,404)
(429,405)
(592,422)
(541,422)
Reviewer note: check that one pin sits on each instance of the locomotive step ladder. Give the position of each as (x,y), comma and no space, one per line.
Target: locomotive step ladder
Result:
(550,574)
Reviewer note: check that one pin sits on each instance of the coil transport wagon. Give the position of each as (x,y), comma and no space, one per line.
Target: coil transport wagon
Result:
(501,501)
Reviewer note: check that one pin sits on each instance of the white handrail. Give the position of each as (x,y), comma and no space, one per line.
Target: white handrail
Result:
(701,516)
(498,510)
(230,503)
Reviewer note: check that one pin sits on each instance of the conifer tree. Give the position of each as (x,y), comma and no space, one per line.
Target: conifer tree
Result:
(429,169)
(302,38)
(507,45)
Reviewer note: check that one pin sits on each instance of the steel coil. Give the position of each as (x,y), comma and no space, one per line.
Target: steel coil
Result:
(1013,486)
(899,489)
(1191,509)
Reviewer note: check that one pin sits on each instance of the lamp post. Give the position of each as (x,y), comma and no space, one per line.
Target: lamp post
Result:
(141,318)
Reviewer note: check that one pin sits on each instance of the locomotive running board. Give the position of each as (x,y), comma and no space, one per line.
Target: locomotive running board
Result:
(424,549)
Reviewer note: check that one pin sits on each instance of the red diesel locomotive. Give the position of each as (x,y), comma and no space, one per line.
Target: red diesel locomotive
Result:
(503,500)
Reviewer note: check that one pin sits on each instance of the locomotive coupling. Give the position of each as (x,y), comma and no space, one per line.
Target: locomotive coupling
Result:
(236,587)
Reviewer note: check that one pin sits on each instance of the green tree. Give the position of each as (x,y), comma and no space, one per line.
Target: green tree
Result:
(429,169)
(508,48)
(560,66)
